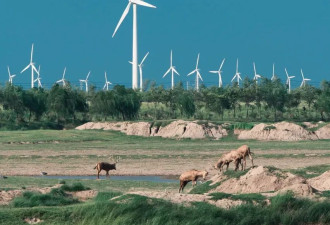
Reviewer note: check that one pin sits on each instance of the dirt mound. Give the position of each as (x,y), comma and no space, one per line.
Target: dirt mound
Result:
(7,196)
(84,195)
(261,179)
(186,199)
(176,129)
(323,132)
(321,183)
(282,131)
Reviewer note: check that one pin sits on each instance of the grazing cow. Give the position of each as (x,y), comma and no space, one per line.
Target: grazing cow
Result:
(191,175)
(235,156)
(105,166)
(245,151)
(227,158)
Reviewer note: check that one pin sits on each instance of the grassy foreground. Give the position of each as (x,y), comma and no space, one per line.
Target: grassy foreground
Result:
(133,209)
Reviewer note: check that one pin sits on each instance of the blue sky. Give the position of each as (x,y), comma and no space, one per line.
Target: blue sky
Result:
(77,34)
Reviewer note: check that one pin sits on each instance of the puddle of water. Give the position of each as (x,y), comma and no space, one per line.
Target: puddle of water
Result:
(157,179)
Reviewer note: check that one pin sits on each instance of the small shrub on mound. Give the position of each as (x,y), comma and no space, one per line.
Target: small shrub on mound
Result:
(74,187)
(204,188)
(56,197)
(105,196)
(241,126)
(270,127)
(235,174)
(326,194)
(249,198)
(311,171)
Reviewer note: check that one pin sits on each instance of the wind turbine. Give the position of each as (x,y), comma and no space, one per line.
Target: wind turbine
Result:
(288,80)
(256,76)
(62,80)
(219,73)
(303,83)
(38,79)
(140,68)
(33,68)
(173,70)
(85,81)
(237,74)
(198,75)
(135,45)
(274,77)
(107,83)
(11,76)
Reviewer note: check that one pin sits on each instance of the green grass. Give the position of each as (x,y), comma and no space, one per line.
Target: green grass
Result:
(235,174)
(56,197)
(311,171)
(99,185)
(204,188)
(106,196)
(326,194)
(249,198)
(74,187)
(284,209)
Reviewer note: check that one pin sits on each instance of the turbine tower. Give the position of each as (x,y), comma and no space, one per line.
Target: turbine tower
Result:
(219,73)
(274,77)
(38,79)
(85,81)
(107,83)
(288,80)
(135,45)
(11,76)
(173,70)
(237,74)
(256,76)
(62,80)
(33,68)
(198,75)
(303,83)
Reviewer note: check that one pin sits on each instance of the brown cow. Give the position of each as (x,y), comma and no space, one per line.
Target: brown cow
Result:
(191,175)
(105,166)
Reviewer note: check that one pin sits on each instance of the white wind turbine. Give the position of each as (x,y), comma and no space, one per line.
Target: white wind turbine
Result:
(107,83)
(173,70)
(198,75)
(140,69)
(288,80)
(11,76)
(33,68)
(85,81)
(135,45)
(219,73)
(38,79)
(63,79)
(274,77)
(237,74)
(256,76)
(303,83)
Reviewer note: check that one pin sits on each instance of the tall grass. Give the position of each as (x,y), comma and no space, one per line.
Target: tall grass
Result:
(284,209)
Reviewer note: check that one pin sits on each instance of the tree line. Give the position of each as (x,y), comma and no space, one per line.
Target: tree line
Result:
(263,101)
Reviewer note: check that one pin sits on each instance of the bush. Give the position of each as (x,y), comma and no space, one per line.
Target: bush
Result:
(56,197)
(74,187)
(203,188)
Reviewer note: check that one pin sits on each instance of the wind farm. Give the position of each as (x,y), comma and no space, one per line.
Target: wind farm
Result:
(164,112)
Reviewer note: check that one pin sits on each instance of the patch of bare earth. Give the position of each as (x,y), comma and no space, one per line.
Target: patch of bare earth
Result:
(33,220)
(186,199)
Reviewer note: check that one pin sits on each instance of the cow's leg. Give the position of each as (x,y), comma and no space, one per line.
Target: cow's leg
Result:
(98,174)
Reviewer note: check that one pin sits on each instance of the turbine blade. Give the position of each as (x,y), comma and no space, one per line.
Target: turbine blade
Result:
(223,61)
(237,66)
(302,74)
(31,53)
(122,17)
(191,72)
(171,58)
(199,75)
(286,72)
(197,61)
(167,72)
(64,73)
(214,71)
(25,68)
(140,2)
(8,70)
(144,58)
(88,75)
(175,71)
(233,78)
(254,67)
